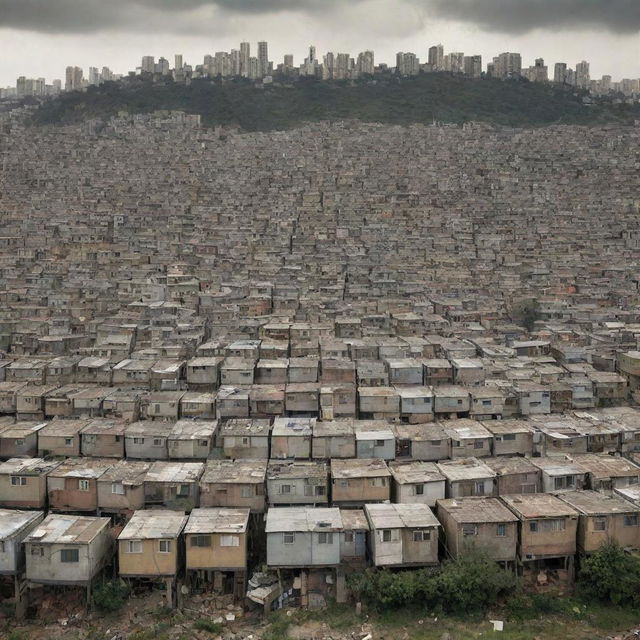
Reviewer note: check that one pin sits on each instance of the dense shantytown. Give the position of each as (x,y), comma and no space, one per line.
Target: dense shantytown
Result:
(252,362)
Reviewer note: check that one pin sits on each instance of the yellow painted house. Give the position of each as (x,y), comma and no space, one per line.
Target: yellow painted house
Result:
(216,539)
(151,545)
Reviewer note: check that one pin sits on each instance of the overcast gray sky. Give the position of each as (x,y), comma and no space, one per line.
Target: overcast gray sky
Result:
(41,37)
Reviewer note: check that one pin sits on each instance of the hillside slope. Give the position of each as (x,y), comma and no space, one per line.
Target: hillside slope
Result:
(423,99)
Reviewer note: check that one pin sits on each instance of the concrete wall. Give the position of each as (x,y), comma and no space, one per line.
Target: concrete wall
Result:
(369,449)
(230,495)
(299,493)
(54,446)
(49,568)
(405,493)
(334,447)
(28,449)
(217,557)
(549,543)
(65,494)
(359,491)
(33,495)
(102,446)
(420,552)
(147,450)
(13,557)
(150,562)
(132,499)
(189,449)
(291,447)
(467,448)
(258,447)
(590,540)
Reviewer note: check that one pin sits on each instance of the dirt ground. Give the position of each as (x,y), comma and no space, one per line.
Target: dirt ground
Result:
(63,616)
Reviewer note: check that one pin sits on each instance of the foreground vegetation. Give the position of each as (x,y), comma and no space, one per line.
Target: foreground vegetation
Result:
(423,99)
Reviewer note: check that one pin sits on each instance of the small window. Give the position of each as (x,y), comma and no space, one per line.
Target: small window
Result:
(288,537)
(479,489)
(19,442)
(600,524)
(117,488)
(379,443)
(631,520)
(83,485)
(509,436)
(183,490)
(138,441)
(343,483)
(37,550)
(419,490)
(459,401)
(325,538)
(18,481)
(435,443)
(68,442)
(486,403)
(285,489)
(348,536)
(386,535)
(478,444)
(157,442)
(421,536)
(533,526)
(69,555)
(200,541)
(203,443)
(134,546)
(164,546)
(246,492)
(469,530)
(501,530)
(245,442)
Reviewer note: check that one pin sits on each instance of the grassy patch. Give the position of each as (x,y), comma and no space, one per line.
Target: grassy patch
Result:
(208,625)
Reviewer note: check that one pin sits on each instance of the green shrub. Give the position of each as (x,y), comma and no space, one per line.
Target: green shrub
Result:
(208,625)
(611,575)
(469,583)
(110,596)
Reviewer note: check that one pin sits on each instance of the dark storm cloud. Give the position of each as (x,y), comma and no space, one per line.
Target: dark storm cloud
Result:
(77,16)
(510,16)
(520,16)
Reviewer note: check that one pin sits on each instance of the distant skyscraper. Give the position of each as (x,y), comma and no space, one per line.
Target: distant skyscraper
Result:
(310,65)
(245,56)
(582,75)
(253,68)
(178,62)
(263,59)
(407,64)
(73,79)
(436,58)
(507,65)
(94,76)
(148,64)
(163,66)
(235,62)
(560,73)
(366,64)
(473,66)
(454,62)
